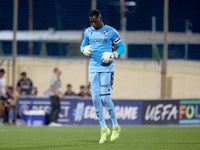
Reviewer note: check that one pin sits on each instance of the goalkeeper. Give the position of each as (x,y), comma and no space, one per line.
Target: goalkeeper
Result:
(98,43)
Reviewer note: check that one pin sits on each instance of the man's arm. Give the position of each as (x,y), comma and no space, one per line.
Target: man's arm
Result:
(19,88)
(53,90)
(31,85)
(4,94)
(10,93)
(3,89)
(55,93)
(120,48)
(53,81)
(85,48)
(85,41)
(107,56)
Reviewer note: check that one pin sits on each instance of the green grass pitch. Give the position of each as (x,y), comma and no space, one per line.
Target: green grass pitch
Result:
(87,137)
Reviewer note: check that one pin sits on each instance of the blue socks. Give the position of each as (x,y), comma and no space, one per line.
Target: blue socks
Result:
(10,115)
(99,109)
(110,107)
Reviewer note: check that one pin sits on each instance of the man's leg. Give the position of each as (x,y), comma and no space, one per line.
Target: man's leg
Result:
(57,108)
(111,109)
(96,99)
(106,90)
(52,108)
(2,109)
(95,88)
(10,115)
(55,104)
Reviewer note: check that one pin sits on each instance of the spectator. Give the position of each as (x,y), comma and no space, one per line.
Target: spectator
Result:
(69,91)
(24,85)
(10,105)
(3,95)
(34,91)
(88,91)
(54,97)
(46,93)
(82,91)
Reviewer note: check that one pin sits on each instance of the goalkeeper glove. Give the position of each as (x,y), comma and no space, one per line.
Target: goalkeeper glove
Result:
(87,50)
(108,57)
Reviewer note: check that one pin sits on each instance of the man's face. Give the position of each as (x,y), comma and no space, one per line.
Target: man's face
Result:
(1,74)
(82,90)
(24,77)
(59,72)
(69,88)
(96,22)
(11,89)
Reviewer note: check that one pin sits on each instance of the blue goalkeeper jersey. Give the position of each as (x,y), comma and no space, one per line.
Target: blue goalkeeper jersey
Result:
(101,40)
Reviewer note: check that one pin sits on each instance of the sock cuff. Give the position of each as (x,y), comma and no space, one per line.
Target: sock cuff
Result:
(106,97)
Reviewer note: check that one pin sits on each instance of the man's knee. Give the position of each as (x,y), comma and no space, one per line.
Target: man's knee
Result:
(105,98)
(58,109)
(96,98)
(2,108)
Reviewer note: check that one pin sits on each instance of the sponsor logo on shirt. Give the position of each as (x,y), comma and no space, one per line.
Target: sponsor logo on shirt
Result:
(99,40)
(105,32)
(105,85)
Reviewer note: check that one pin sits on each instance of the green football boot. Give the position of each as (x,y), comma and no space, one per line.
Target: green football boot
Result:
(115,133)
(104,133)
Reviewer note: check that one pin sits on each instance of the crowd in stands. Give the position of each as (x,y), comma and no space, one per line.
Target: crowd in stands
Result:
(83,91)
(25,88)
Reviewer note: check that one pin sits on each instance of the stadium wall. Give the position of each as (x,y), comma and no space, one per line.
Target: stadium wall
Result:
(138,79)
(80,111)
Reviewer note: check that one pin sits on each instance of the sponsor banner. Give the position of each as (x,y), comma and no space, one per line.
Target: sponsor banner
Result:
(160,112)
(81,111)
(189,111)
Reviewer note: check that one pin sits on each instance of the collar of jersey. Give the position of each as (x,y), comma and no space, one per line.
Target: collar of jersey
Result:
(97,29)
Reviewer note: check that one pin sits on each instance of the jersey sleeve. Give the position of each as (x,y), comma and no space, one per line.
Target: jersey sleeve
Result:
(53,80)
(85,41)
(120,47)
(115,37)
(3,87)
(31,83)
(18,83)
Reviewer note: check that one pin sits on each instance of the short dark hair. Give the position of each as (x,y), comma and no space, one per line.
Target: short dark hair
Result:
(56,69)
(23,74)
(69,85)
(2,71)
(10,88)
(95,12)
(82,86)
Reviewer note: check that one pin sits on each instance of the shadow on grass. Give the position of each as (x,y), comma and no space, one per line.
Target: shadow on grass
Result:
(88,141)
(97,142)
(187,143)
(40,147)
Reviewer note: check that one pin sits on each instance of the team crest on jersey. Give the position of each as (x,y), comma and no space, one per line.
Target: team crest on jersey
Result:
(90,31)
(105,32)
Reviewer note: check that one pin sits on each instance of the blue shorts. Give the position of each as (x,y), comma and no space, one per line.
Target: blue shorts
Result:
(101,82)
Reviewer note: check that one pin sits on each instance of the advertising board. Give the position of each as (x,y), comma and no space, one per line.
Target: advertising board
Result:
(189,112)
(160,112)
(81,111)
